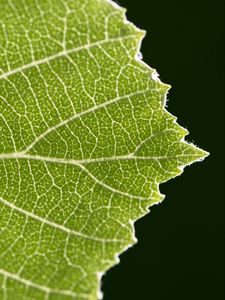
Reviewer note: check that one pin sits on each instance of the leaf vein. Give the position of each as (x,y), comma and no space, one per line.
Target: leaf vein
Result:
(79,115)
(64,53)
(55,225)
(43,288)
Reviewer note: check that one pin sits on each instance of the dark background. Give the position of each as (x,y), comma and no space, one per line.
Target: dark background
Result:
(179,255)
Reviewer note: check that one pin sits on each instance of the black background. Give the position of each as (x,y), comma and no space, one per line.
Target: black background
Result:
(180,247)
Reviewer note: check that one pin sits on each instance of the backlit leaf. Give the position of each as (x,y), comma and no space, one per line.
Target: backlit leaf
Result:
(85,141)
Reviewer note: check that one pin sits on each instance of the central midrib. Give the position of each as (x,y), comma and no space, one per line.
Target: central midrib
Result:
(77,162)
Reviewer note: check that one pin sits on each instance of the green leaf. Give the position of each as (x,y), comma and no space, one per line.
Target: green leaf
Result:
(85,141)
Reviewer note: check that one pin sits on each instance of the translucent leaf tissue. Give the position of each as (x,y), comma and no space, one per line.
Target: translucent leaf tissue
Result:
(85,141)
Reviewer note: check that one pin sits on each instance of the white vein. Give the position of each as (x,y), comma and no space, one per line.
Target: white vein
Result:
(81,162)
(64,53)
(85,112)
(43,288)
(55,225)
(78,163)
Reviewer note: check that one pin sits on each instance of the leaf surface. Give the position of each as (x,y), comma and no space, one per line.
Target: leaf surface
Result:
(85,141)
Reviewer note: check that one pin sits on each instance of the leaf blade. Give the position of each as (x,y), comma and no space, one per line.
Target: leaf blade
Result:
(85,142)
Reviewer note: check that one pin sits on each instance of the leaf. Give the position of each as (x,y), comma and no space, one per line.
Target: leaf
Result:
(85,142)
